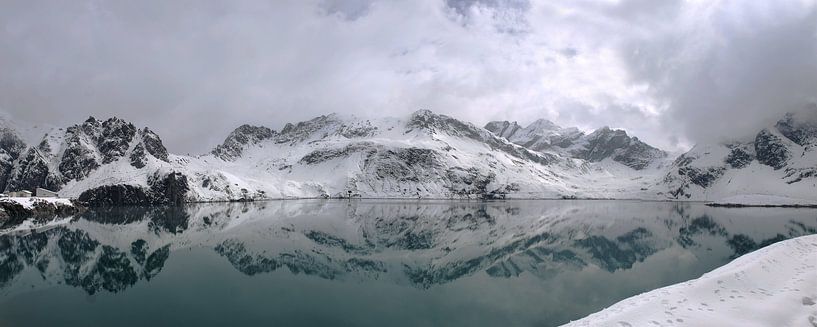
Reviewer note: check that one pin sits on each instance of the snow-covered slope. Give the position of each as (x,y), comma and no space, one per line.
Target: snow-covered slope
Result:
(774,286)
(424,155)
(779,161)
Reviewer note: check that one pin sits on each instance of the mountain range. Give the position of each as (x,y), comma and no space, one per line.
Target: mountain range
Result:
(423,155)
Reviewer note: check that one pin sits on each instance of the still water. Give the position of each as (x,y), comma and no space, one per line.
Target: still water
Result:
(369,263)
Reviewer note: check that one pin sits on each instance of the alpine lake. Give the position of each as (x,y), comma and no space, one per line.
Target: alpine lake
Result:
(369,262)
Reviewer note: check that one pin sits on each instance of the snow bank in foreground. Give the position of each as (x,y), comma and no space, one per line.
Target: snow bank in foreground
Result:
(773,286)
(763,200)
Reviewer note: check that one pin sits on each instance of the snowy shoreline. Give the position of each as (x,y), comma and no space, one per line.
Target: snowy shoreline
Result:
(773,286)
(764,201)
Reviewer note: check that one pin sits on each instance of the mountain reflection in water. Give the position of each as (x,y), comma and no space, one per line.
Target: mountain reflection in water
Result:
(370,263)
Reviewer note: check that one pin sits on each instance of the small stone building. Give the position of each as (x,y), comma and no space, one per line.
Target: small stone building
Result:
(20,194)
(43,193)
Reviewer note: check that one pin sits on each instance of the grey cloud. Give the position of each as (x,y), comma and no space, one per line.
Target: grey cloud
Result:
(193,70)
(739,68)
(348,9)
(463,7)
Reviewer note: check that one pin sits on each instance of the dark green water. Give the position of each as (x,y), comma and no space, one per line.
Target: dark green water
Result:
(369,263)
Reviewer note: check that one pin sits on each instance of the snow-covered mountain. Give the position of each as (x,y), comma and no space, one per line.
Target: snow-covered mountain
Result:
(94,154)
(778,161)
(423,155)
(604,143)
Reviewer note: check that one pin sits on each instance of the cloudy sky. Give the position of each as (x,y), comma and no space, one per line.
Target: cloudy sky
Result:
(671,72)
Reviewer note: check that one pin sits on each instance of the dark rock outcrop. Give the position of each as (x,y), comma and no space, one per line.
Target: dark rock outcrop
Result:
(169,189)
(616,144)
(11,148)
(153,144)
(163,189)
(241,137)
(322,127)
(114,195)
(770,150)
(739,157)
(137,157)
(31,171)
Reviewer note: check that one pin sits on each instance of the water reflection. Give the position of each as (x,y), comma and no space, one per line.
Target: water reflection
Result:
(419,245)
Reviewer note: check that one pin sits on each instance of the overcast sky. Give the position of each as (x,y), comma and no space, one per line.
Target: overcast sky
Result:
(671,72)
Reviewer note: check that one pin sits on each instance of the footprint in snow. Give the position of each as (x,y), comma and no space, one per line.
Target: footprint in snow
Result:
(808,301)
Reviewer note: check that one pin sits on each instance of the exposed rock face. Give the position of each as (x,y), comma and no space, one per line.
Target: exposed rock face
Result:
(504,129)
(169,189)
(153,144)
(240,138)
(770,150)
(79,158)
(11,148)
(137,157)
(799,128)
(163,189)
(740,156)
(544,135)
(410,166)
(113,195)
(324,127)
(616,144)
(323,155)
(81,149)
(113,138)
(32,171)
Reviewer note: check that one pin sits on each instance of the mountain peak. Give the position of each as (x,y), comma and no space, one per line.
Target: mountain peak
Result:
(422,112)
(244,135)
(504,129)
(544,124)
